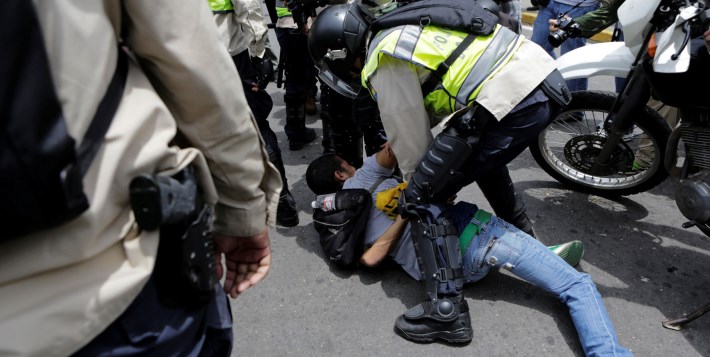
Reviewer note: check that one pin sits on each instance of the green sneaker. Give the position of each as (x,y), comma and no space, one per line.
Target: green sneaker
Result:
(571,252)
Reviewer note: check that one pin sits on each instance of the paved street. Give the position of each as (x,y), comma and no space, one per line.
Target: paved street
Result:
(646,266)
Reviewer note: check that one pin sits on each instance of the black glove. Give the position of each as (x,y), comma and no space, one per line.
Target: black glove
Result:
(301,10)
(264,70)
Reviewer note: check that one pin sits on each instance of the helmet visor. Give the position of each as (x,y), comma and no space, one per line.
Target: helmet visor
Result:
(334,82)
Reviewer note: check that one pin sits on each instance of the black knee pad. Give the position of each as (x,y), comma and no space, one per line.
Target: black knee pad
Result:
(439,167)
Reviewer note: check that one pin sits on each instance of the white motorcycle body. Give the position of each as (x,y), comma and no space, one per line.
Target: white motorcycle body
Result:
(602,59)
(611,58)
(634,17)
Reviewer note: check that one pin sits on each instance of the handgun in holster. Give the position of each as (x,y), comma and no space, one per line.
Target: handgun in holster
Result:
(185,269)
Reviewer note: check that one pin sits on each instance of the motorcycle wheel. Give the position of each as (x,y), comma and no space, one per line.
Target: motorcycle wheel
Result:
(567,147)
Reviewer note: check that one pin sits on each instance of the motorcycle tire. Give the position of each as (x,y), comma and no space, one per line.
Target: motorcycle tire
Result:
(566,148)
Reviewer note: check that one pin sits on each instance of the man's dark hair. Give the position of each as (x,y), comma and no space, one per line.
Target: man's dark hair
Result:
(320,174)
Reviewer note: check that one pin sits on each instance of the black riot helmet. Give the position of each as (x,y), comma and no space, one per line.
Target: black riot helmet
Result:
(335,39)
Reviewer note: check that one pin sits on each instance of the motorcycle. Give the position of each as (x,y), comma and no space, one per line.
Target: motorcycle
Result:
(601,160)
(664,56)
(569,149)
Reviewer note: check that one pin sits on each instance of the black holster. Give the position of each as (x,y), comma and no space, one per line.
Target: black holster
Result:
(555,87)
(185,272)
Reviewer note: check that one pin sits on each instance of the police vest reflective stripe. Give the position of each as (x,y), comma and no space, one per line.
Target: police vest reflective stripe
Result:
(218,6)
(431,45)
(282,11)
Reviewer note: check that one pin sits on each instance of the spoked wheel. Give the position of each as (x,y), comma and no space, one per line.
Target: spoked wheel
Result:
(568,147)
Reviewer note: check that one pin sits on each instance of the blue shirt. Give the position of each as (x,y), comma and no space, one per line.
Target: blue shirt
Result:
(403,251)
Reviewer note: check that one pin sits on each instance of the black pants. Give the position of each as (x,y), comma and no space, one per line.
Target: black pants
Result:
(149,327)
(299,70)
(259,102)
(502,141)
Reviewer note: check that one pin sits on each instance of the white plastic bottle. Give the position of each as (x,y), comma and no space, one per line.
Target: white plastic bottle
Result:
(325,202)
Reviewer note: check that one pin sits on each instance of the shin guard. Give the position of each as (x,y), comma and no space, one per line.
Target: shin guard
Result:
(444,315)
(439,257)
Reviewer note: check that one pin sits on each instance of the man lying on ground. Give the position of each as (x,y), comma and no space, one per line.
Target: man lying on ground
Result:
(486,242)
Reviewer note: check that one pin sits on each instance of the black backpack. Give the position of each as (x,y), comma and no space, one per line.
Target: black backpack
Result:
(342,231)
(41,168)
(463,15)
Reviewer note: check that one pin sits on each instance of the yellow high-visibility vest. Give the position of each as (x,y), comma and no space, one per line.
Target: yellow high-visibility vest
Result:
(429,46)
(282,11)
(218,6)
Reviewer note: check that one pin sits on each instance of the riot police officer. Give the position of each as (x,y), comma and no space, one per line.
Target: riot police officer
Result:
(504,90)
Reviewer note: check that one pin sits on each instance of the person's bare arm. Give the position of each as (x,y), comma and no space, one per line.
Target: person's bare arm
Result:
(385,157)
(378,251)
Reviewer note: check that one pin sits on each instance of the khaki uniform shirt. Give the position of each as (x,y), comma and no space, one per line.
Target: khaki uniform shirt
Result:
(243,28)
(233,29)
(258,31)
(406,120)
(62,287)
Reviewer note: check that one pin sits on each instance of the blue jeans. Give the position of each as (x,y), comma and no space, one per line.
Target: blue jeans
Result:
(541,31)
(500,244)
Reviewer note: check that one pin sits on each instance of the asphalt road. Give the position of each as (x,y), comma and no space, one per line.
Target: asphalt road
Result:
(646,266)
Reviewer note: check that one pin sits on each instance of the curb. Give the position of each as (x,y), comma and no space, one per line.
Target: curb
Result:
(604,36)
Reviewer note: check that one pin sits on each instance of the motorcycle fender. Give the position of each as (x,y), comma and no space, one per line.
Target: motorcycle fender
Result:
(599,59)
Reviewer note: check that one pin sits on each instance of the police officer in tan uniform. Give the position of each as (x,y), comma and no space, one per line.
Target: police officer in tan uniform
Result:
(238,23)
(87,286)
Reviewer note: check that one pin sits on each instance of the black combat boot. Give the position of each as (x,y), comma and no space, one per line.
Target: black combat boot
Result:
(447,319)
(523,222)
(498,189)
(286,212)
